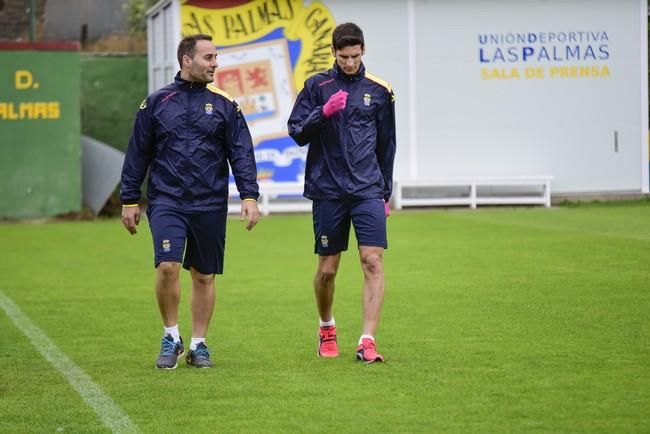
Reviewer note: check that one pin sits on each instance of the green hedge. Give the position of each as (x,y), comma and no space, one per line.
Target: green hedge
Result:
(112,88)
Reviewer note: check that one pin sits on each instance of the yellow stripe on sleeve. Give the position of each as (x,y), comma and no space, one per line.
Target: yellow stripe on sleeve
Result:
(214,89)
(379,81)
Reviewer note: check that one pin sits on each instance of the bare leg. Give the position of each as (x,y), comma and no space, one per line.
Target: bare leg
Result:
(324,284)
(202,302)
(373,287)
(168,291)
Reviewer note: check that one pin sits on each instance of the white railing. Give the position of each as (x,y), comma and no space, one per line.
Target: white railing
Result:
(275,197)
(516,190)
(286,197)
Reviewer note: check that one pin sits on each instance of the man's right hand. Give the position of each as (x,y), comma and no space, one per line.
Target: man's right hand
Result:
(131,218)
(335,104)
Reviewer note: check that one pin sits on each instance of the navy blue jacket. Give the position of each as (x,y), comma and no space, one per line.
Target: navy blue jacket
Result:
(351,154)
(185,134)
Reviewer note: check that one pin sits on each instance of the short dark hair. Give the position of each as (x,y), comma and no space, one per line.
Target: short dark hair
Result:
(187,47)
(347,35)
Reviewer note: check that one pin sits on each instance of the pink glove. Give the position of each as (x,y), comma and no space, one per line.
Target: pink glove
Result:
(335,104)
(386,209)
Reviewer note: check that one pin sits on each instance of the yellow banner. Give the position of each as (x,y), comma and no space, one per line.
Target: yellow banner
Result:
(312,26)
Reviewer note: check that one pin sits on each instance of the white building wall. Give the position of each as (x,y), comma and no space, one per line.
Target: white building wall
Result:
(589,133)
(564,127)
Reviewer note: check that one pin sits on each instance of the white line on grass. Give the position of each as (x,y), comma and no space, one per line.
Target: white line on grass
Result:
(108,411)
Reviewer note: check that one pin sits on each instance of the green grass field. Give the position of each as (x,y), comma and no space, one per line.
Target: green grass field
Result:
(496,320)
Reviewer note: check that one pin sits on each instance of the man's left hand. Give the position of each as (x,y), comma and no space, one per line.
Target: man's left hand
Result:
(250,212)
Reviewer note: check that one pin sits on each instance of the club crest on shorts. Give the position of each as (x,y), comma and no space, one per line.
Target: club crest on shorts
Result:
(367,98)
(208,109)
(324,241)
(166,246)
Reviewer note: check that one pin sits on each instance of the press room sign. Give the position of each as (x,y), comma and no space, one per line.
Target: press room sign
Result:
(571,54)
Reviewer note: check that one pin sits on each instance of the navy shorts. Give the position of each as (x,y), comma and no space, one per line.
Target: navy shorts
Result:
(332,220)
(200,235)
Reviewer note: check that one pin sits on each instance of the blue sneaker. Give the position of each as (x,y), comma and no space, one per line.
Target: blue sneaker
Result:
(199,358)
(170,351)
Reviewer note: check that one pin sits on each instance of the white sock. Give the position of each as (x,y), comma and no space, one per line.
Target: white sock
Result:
(327,323)
(173,331)
(195,342)
(366,337)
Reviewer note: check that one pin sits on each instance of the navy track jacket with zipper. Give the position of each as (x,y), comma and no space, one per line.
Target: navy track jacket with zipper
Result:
(351,154)
(185,134)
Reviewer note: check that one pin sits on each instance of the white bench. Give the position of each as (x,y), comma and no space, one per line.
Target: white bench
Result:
(274,197)
(516,190)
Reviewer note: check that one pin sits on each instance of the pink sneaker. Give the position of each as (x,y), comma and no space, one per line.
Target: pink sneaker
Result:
(327,342)
(367,352)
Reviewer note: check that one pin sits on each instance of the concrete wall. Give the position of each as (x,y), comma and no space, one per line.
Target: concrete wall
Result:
(66,18)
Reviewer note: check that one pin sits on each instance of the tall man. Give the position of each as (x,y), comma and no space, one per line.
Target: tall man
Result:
(185,134)
(347,116)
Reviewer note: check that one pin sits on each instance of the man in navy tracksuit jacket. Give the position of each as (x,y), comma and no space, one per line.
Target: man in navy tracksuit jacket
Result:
(347,116)
(185,134)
